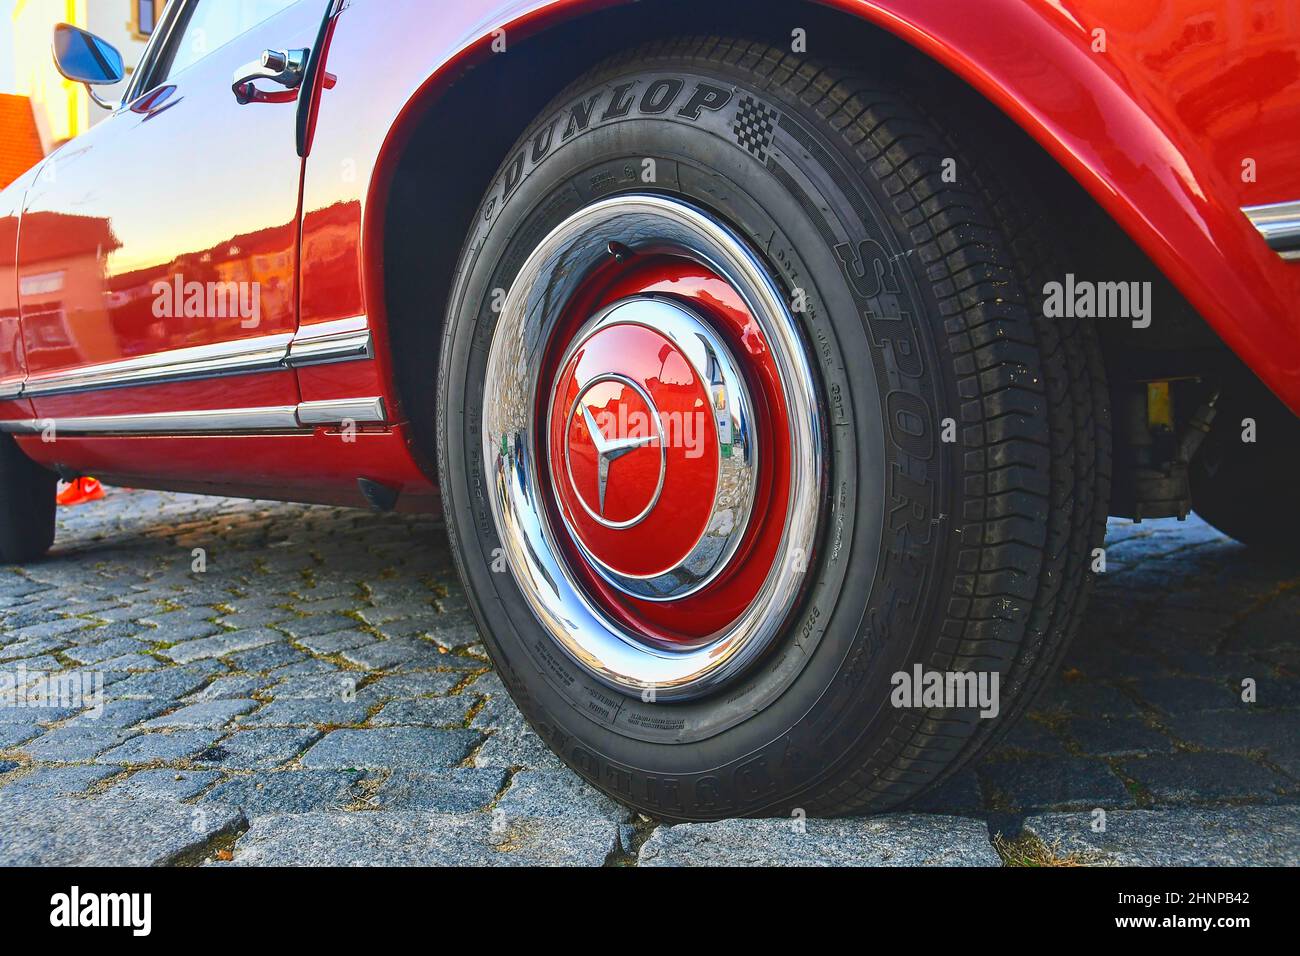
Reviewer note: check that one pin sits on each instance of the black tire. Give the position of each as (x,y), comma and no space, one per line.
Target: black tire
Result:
(1246,489)
(962,556)
(27,505)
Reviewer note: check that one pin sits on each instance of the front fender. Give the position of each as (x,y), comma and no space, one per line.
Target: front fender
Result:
(1163,125)
(1155,122)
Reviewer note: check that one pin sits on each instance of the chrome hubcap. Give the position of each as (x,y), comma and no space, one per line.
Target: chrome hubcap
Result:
(639,462)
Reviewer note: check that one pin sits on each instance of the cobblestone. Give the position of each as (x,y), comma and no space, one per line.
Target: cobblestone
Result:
(1182,836)
(165,784)
(459,790)
(409,748)
(306,712)
(346,712)
(425,712)
(209,715)
(56,781)
(1199,777)
(173,747)
(400,838)
(1052,782)
(78,741)
(258,749)
(291,791)
(63,832)
(894,840)
(221,645)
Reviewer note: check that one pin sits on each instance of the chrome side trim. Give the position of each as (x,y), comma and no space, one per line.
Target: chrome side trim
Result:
(299,417)
(340,341)
(264,353)
(220,420)
(11,389)
(1279,224)
(347,409)
(337,341)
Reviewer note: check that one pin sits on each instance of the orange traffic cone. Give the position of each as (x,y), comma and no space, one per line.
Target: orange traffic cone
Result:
(79,491)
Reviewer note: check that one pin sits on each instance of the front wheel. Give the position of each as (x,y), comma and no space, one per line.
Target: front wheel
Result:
(751,441)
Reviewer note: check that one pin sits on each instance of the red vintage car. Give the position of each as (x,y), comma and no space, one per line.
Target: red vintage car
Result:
(775,365)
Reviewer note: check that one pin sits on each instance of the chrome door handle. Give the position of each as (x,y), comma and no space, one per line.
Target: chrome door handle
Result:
(285,67)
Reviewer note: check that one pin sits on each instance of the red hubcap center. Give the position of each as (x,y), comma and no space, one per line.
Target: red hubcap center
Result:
(656,543)
(633,450)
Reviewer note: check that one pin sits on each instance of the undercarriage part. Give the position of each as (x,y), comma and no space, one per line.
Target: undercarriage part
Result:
(1159,426)
(1244,477)
(379,497)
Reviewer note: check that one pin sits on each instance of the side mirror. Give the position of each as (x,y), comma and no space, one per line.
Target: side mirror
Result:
(85,58)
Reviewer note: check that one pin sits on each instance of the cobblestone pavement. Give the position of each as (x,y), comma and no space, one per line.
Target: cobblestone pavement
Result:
(317,695)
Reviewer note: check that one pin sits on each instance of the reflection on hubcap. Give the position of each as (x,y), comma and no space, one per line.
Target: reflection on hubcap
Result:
(637,485)
(658,448)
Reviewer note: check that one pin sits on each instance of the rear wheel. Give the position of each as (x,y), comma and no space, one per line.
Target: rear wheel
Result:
(746,421)
(26,505)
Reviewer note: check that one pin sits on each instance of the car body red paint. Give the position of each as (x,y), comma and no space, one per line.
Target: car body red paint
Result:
(1189,113)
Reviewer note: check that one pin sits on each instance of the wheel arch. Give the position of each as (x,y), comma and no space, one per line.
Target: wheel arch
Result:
(1151,179)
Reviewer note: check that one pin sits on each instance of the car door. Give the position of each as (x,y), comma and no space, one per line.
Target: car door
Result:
(12,361)
(158,251)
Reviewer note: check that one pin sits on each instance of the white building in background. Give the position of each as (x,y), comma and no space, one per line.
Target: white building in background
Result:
(61,107)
